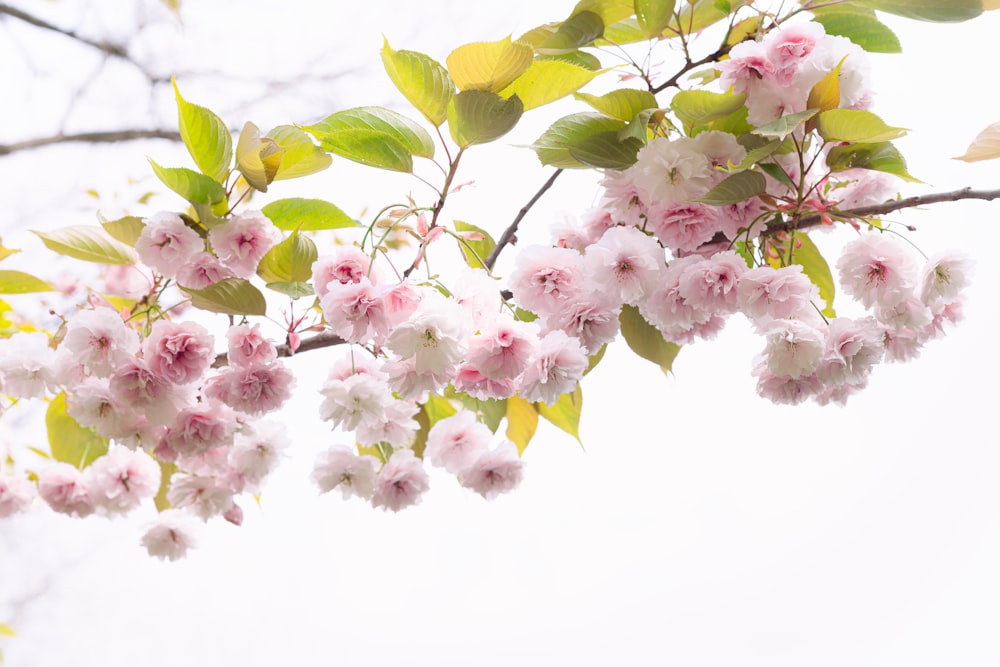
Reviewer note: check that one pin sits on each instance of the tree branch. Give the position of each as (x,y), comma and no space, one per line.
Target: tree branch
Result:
(320,340)
(710,58)
(508,234)
(108,137)
(108,48)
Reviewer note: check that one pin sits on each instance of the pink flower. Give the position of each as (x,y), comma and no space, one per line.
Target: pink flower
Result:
(684,225)
(784,389)
(454,443)
(178,352)
(765,293)
(787,47)
(170,536)
(555,370)
(121,479)
(99,340)
(670,171)
(434,336)
(340,467)
(494,471)
(202,270)
(624,263)
(242,241)
(469,380)
(92,403)
(349,265)
(503,348)
(945,275)
(793,348)
(545,278)
(360,399)
(397,428)
(166,243)
(255,455)
(247,347)
(126,280)
(401,482)
(200,428)
(205,496)
(875,268)
(355,311)
(591,319)
(64,488)
(666,309)
(16,494)
(254,390)
(853,348)
(711,284)
(747,66)
(148,393)
(26,365)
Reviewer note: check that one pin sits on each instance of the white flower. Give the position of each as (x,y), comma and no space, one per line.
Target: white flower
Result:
(170,536)
(401,482)
(340,467)
(495,471)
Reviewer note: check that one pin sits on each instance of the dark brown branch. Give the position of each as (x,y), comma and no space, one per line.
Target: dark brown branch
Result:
(710,58)
(106,47)
(320,340)
(889,207)
(508,234)
(112,136)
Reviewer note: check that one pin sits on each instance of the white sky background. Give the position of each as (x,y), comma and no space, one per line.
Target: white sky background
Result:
(703,526)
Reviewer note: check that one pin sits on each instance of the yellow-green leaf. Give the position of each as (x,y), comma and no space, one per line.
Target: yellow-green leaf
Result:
(581,29)
(6,252)
(306,215)
(257,158)
(547,81)
(301,156)
(553,147)
(702,13)
(937,11)
(374,136)
(695,108)
(192,186)
(815,267)
(646,340)
(89,243)
(736,188)
(855,126)
(289,261)
(474,251)
(859,25)
(68,441)
(606,150)
(7,631)
(422,80)
(825,94)
(653,16)
(167,470)
(879,157)
(565,413)
(489,65)
(206,137)
(126,229)
(522,422)
(231,296)
(19,282)
(623,104)
(781,128)
(481,116)
(986,145)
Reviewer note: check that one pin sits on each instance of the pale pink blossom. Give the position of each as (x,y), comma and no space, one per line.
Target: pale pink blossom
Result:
(341,468)
(670,171)
(64,488)
(666,309)
(202,270)
(720,149)
(148,393)
(121,479)
(93,404)
(27,365)
(201,427)
(348,265)
(621,204)
(624,263)
(204,496)
(408,383)
(166,243)
(909,313)
(945,275)
(853,348)
(711,284)
(178,351)
(557,367)
(787,47)
(863,187)
(359,399)
(455,442)
(766,293)
(355,311)
(784,389)
(16,494)
(126,280)
(741,221)
(494,471)
(794,348)
(683,225)
(356,363)
(247,347)
(242,241)
(99,340)
(544,278)
(747,66)
(256,454)
(592,320)
(399,302)
(397,428)
(902,345)
(469,380)
(253,390)
(875,268)
(503,347)
(170,536)
(401,482)
(434,336)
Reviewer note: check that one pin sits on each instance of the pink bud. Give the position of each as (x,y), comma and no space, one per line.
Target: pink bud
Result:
(422,224)
(293,340)
(234,515)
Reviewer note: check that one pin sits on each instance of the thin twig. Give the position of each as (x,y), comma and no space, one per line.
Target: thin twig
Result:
(508,234)
(113,136)
(319,341)
(106,47)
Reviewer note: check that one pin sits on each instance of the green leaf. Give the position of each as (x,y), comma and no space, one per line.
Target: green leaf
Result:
(815,267)
(490,412)
(986,145)
(481,116)
(553,147)
(231,296)
(878,157)
(702,13)
(605,151)
(306,215)
(855,126)
(434,409)
(257,158)
(646,340)
(206,137)
(565,413)
(70,442)
(785,125)
(422,80)
(622,32)
(192,186)
(89,243)
(126,230)
(761,152)
(167,470)
(860,26)
(578,58)
(375,137)
(825,94)
(936,11)
(522,422)
(300,156)
(609,11)
(547,81)
(695,108)
(653,16)
(488,66)
(475,252)
(295,290)
(623,104)
(19,282)
(736,188)
(581,29)
(289,261)
(777,173)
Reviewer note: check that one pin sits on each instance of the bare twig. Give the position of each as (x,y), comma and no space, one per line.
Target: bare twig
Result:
(108,48)
(112,136)
(508,234)
(690,65)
